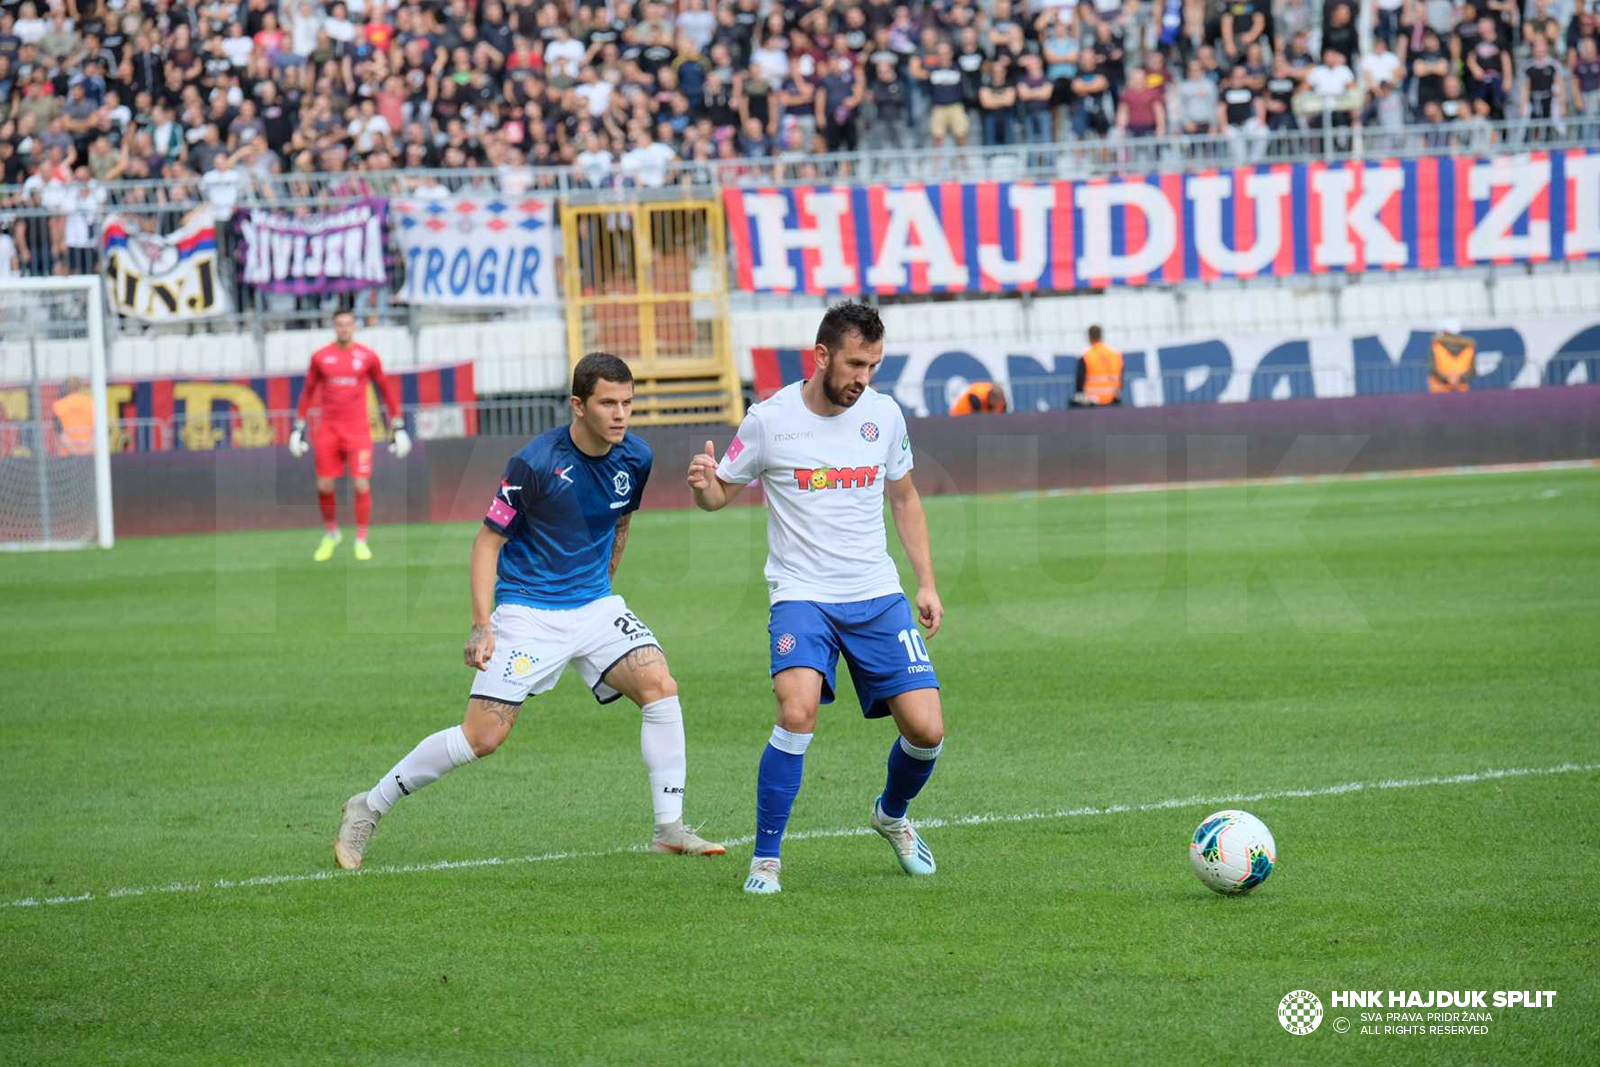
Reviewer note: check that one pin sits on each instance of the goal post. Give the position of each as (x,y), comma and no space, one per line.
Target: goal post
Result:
(55,486)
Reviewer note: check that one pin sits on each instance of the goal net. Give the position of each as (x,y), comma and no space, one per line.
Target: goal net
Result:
(55,462)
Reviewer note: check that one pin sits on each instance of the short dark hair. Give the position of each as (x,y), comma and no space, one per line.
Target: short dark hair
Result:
(594,367)
(845,318)
(1095,335)
(341,313)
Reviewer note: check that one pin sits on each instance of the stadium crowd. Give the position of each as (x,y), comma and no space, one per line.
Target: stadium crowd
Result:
(207,95)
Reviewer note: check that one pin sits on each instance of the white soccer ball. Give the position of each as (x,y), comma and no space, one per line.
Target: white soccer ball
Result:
(1232,852)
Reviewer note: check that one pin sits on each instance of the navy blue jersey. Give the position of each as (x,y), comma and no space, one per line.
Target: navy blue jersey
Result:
(558,509)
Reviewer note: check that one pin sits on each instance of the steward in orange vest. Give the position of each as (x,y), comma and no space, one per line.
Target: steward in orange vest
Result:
(1099,374)
(980,398)
(1451,367)
(74,413)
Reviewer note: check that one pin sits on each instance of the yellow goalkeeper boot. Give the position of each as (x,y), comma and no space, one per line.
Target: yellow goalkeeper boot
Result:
(326,546)
(363,553)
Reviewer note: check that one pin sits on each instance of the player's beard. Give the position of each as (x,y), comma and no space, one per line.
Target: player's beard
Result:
(839,398)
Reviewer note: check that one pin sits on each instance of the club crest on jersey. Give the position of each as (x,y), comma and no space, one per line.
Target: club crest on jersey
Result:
(520,665)
(621,483)
(869,431)
(785,644)
(835,477)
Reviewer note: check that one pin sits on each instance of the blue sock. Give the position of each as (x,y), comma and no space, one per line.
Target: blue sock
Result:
(909,768)
(777,784)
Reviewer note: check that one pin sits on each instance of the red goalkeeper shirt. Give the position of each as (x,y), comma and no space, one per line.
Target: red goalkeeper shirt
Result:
(340,375)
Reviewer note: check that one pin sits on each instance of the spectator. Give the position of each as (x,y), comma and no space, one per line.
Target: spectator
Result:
(223,185)
(891,109)
(1195,100)
(753,142)
(1242,115)
(1141,112)
(1429,68)
(1095,106)
(83,203)
(1035,93)
(1543,88)
(10,263)
(1586,73)
(1331,82)
(1489,67)
(1380,66)
(1060,49)
(595,162)
(839,96)
(1280,92)
(947,109)
(648,163)
(1243,24)
(997,101)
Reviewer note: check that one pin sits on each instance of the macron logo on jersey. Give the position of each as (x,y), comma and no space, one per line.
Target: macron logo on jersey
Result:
(835,477)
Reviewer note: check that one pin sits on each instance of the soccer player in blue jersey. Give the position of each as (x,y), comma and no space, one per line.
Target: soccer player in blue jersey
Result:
(827,452)
(541,598)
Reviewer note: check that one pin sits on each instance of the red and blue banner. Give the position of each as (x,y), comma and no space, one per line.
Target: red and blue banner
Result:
(1269,220)
(201,414)
(254,412)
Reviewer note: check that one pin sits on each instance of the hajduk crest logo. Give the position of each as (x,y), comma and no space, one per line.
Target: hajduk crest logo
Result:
(1300,1012)
(869,431)
(785,644)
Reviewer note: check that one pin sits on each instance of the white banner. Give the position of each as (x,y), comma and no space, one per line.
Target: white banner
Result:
(476,251)
(164,278)
(1038,376)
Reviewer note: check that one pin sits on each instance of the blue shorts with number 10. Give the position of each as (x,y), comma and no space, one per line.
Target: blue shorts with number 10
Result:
(878,638)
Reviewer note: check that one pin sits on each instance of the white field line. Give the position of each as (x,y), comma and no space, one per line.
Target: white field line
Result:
(1198,802)
(1314,479)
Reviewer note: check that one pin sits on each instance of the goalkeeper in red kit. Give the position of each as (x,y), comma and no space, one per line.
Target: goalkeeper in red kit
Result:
(339,374)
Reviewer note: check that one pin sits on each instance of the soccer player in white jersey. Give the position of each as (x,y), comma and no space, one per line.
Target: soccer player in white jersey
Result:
(827,452)
(541,575)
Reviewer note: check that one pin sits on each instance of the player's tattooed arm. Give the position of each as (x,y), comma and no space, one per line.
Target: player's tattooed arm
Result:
(619,544)
(480,646)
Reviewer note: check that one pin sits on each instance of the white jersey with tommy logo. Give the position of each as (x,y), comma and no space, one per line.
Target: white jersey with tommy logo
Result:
(824,479)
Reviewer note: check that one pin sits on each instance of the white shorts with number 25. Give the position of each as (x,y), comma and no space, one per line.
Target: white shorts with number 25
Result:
(532,646)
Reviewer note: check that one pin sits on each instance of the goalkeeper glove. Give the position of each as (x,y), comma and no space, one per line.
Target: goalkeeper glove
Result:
(400,446)
(297,439)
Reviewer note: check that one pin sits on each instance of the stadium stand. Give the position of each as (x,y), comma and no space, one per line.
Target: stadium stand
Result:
(212,99)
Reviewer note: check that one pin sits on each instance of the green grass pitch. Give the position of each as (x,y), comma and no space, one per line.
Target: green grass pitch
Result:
(182,717)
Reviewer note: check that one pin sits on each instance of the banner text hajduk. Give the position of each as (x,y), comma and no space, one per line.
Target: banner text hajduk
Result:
(1444,998)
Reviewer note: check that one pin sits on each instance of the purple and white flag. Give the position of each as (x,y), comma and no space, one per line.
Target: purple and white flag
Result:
(328,252)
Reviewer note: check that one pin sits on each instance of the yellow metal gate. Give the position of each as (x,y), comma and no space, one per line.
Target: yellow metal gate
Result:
(649,282)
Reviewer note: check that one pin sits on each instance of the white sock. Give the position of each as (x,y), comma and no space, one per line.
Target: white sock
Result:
(423,765)
(665,757)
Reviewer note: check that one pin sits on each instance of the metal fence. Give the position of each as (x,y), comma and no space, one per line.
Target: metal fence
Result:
(1085,158)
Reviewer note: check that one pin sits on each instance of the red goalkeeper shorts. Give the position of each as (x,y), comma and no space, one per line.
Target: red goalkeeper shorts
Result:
(335,446)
